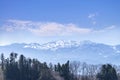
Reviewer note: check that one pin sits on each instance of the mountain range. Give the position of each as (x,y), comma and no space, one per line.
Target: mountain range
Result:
(61,51)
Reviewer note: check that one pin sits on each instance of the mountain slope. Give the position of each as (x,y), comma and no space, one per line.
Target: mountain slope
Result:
(60,51)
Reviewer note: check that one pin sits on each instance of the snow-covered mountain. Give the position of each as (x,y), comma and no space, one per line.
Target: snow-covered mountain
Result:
(54,45)
(57,45)
(60,51)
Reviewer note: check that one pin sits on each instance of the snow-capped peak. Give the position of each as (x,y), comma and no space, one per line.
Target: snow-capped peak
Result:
(53,45)
(57,44)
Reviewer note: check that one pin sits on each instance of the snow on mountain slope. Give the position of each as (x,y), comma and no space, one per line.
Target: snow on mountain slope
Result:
(60,51)
(57,44)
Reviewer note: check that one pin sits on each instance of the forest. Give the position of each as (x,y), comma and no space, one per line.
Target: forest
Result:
(21,68)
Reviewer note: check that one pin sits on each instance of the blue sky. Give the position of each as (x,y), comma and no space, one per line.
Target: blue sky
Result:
(26,21)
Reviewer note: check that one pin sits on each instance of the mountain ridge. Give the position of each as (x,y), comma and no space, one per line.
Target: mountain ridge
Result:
(60,51)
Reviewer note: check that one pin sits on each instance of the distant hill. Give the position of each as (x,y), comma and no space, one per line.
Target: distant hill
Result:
(61,51)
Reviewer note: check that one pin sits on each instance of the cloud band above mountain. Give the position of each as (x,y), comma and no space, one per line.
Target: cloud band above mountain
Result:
(48,28)
(45,29)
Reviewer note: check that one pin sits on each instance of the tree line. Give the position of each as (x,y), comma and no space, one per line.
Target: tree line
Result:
(22,68)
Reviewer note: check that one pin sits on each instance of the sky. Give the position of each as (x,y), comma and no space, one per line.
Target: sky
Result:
(41,21)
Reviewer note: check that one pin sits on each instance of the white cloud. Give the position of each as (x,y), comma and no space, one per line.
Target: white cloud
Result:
(50,28)
(111,27)
(45,29)
(92,17)
(56,29)
(106,29)
(13,25)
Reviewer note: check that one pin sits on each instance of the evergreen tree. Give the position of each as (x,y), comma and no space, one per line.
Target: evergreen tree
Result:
(22,67)
(25,69)
(64,71)
(11,71)
(107,73)
(2,61)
